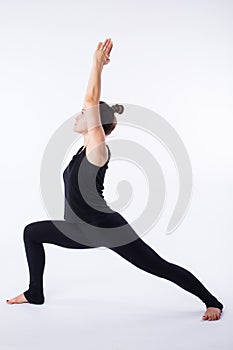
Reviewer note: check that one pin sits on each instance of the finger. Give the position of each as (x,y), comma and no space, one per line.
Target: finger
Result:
(109,48)
(107,45)
(99,45)
(104,44)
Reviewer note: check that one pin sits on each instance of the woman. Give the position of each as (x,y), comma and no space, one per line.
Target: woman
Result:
(95,123)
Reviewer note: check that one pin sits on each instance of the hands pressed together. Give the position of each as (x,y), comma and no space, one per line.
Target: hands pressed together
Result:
(102,53)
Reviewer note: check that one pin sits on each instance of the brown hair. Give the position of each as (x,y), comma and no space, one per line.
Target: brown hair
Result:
(107,115)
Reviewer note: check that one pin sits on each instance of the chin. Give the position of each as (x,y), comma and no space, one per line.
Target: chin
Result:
(82,132)
(76,130)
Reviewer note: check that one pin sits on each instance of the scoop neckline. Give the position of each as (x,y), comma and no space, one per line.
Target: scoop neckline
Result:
(84,147)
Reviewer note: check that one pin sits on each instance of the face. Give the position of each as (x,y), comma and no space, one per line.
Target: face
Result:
(80,124)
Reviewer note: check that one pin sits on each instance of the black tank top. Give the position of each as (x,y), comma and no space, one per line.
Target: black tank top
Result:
(84,185)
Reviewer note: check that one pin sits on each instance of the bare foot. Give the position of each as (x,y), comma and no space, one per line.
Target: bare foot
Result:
(212,314)
(17,300)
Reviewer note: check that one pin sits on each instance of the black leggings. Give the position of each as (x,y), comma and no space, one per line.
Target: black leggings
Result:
(137,252)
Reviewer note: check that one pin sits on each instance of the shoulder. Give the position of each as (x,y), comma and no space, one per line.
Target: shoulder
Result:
(98,154)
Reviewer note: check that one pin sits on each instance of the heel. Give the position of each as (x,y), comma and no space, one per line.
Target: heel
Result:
(34,298)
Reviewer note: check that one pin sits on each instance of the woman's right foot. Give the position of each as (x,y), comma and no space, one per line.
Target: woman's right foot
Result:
(18,300)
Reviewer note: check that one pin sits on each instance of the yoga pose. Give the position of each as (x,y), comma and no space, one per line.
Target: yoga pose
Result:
(86,204)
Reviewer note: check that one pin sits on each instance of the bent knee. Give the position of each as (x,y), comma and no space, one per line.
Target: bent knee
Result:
(29,231)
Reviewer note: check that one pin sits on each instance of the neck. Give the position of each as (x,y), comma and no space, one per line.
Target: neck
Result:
(85,139)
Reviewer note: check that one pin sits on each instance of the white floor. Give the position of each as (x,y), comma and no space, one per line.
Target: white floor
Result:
(111,324)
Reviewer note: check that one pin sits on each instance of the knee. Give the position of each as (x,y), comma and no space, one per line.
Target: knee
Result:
(29,231)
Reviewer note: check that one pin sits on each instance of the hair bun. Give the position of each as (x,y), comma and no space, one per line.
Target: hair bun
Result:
(118,108)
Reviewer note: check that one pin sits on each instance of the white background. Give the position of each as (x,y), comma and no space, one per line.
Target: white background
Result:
(173,57)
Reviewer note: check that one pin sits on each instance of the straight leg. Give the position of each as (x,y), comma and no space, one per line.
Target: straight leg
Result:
(144,257)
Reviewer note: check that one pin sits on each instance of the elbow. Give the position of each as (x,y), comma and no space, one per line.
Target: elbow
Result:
(90,101)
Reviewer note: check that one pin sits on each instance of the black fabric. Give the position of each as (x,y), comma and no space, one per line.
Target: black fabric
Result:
(136,252)
(84,200)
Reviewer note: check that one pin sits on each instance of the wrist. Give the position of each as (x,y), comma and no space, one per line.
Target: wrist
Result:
(97,64)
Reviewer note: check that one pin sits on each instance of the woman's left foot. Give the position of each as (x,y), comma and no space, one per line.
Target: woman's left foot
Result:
(18,300)
(212,314)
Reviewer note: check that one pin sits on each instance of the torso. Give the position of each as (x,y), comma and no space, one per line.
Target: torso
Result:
(84,185)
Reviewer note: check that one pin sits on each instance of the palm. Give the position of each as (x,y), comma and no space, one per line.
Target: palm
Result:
(103,50)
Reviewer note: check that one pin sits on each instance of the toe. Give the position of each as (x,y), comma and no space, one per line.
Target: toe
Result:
(10,301)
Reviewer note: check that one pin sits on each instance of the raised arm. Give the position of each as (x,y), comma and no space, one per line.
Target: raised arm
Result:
(91,101)
(100,58)
(96,135)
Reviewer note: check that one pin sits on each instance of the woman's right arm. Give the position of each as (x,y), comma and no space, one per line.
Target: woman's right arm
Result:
(100,58)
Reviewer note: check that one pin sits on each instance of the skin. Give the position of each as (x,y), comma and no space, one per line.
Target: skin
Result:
(94,153)
(94,138)
(212,314)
